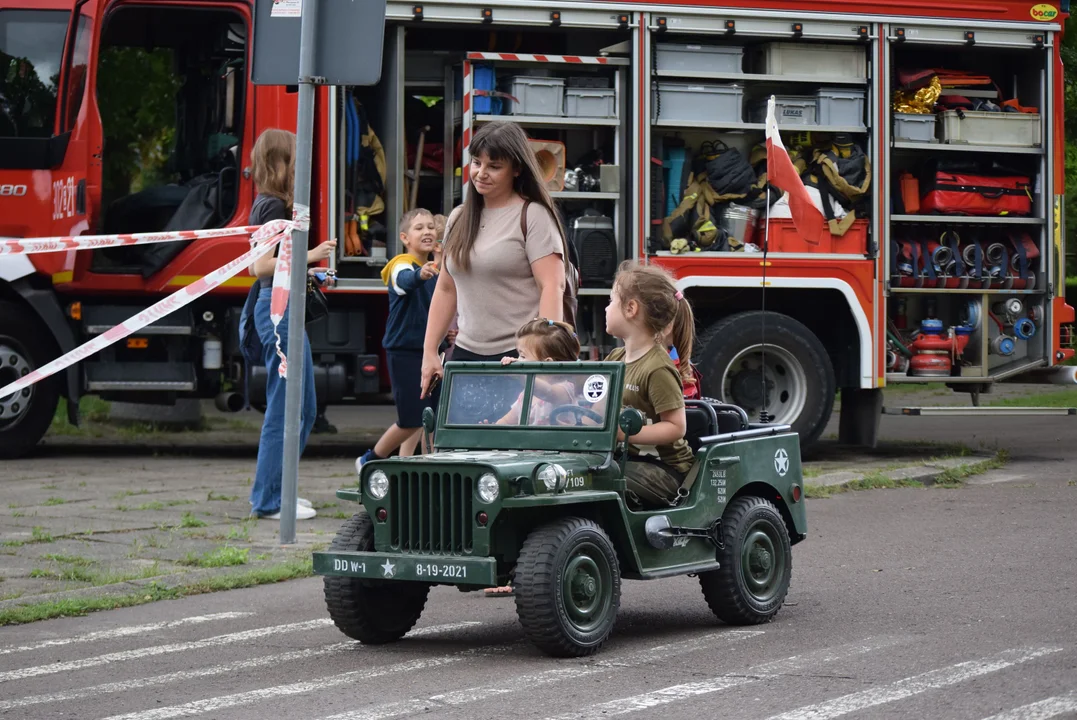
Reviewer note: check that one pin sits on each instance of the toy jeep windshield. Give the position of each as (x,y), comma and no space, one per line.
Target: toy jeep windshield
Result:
(525,485)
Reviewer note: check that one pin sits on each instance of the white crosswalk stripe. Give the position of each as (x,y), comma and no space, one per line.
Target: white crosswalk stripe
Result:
(530,681)
(182,676)
(933,680)
(153,650)
(1042,710)
(676,693)
(126,631)
(216,704)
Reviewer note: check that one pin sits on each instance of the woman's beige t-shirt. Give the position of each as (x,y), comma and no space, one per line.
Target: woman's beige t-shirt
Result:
(499,293)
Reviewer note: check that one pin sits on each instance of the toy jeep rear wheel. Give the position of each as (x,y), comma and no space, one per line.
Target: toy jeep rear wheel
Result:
(756,564)
(567,587)
(371,611)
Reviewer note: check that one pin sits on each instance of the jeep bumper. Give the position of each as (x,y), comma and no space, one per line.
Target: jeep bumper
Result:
(444,569)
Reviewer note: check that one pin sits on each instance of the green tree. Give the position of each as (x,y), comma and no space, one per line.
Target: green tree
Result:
(1068,50)
(136,92)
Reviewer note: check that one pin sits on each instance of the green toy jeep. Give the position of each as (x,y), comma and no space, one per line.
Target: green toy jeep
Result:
(524,490)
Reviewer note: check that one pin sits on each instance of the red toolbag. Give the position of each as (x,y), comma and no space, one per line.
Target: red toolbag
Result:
(958,194)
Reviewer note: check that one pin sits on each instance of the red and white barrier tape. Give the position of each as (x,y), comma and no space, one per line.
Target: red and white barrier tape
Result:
(263,239)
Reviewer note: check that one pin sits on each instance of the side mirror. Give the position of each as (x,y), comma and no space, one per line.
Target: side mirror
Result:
(429,420)
(631,422)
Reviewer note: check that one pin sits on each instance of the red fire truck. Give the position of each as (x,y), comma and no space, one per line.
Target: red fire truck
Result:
(931,132)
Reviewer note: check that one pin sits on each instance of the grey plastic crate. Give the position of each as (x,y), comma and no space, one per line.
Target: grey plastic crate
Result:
(590,102)
(537,96)
(838,106)
(785,58)
(693,103)
(788,109)
(913,127)
(698,58)
(588,81)
(989,128)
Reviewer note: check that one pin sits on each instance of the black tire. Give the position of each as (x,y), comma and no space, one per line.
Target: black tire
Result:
(373,612)
(793,353)
(557,624)
(756,564)
(24,346)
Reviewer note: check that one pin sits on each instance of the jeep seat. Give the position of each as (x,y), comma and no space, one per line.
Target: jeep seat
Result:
(704,418)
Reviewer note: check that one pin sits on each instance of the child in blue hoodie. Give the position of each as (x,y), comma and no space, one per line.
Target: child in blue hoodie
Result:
(410,277)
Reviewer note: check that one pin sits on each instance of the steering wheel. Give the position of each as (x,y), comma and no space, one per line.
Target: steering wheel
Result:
(579,412)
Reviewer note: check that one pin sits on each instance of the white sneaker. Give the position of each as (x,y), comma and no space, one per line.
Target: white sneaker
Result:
(301,513)
(304,502)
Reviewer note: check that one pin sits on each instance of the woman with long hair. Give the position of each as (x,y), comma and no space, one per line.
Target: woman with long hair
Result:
(501,268)
(273,169)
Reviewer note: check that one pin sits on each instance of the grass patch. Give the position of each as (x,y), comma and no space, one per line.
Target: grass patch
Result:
(54,501)
(13,543)
(223,498)
(291,569)
(952,477)
(240,532)
(226,556)
(899,388)
(190,521)
(324,505)
(129,493)
(340,516)
(69,559)
(17,513)
(956,476)
(1059,398)
(39,534)
(92,409)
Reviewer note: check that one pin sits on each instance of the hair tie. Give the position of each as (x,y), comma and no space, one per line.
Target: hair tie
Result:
(679,295)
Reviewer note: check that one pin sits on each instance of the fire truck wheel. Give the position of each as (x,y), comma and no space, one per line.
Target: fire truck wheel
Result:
(756,564)
(27,414)
(799,377)
(373,612)
(567,587)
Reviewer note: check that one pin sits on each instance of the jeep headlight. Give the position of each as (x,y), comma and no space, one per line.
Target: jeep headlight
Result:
(552,475)
(377,484)
(488,488)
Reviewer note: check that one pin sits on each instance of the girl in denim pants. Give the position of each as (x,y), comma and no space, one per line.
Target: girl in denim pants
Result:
(273,168)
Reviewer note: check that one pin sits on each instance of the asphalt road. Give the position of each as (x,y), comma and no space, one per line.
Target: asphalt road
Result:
(905,603)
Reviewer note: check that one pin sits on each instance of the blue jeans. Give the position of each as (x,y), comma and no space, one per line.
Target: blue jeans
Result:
(265,493)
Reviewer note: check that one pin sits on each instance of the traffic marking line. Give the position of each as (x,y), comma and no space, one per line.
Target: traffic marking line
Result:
(126,631)
(933,680)
(216,704)
(1042,710)
(153,650)
(227,668)
(529,681)
(182,676)
(645,701)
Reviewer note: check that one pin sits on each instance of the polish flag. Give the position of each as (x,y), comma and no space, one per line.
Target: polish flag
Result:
(782,174)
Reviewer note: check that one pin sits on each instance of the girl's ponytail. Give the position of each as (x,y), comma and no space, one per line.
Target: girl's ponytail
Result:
(683,334)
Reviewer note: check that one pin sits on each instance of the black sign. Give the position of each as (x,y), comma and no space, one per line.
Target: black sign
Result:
(348,40)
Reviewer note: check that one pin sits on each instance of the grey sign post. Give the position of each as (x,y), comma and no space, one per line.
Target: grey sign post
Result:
(312,56)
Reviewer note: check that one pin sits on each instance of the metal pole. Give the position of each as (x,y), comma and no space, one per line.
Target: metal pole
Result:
(293,396)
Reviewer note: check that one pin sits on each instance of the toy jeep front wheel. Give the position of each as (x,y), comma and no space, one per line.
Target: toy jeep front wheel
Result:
(567,587)
(371,611)
(756,564)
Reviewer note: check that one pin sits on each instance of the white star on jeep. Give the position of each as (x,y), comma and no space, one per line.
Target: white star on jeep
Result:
(781,462)
(389,569)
